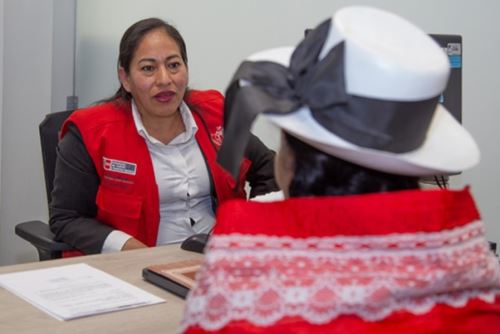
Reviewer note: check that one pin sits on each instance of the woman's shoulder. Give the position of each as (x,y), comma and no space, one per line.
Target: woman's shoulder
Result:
(211,101)
(197,97)
(102,112)
(99,116)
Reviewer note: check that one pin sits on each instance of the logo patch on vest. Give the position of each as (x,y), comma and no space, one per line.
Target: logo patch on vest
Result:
(119,166)
(217,136)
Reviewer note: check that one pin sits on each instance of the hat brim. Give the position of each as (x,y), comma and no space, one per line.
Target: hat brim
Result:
(448,147)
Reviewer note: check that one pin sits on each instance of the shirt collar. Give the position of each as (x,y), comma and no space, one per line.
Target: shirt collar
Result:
(187,119)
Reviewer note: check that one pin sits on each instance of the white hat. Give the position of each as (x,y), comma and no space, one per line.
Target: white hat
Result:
(363,86)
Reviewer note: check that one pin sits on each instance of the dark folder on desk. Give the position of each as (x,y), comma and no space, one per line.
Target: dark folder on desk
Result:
(175,277)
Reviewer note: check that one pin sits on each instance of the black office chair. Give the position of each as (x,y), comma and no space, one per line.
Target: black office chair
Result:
(35,231)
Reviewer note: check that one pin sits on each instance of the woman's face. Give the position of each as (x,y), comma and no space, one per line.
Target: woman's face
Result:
(157,77)
(284,166)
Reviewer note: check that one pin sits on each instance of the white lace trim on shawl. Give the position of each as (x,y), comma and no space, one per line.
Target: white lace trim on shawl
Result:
(262,279)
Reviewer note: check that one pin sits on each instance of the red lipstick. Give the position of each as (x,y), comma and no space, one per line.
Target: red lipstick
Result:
(165,96)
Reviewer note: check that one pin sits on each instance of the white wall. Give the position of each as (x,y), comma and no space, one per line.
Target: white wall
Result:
(63,56)
(220,33)
(28,71)
(1,100)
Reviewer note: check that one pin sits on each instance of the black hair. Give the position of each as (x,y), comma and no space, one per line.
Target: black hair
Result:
(130,42)
(319,174)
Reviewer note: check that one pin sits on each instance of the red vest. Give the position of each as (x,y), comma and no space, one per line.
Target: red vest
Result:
(127,198)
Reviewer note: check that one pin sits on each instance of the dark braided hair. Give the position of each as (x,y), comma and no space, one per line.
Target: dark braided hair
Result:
(319,174)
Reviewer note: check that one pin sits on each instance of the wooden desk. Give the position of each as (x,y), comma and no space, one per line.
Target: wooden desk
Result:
(18,316)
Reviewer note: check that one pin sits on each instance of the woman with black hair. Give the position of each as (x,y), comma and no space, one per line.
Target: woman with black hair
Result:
(356,246)
(139,169)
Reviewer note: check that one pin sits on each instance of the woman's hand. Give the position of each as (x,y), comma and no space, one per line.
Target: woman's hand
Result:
(133,243)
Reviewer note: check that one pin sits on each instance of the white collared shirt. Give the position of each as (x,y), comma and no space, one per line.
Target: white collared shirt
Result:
(183,183)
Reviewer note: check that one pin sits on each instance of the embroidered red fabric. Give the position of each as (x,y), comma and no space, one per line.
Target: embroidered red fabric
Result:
(297,273)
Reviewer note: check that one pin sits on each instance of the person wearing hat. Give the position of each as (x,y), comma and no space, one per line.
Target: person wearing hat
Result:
(356,246)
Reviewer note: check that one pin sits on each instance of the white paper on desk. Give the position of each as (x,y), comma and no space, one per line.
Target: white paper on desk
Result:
(75,290)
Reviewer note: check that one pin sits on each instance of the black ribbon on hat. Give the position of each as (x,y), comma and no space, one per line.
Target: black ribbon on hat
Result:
(268,87)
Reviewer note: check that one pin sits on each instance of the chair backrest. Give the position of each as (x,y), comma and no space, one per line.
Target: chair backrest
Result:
(37,232)
(49,136)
